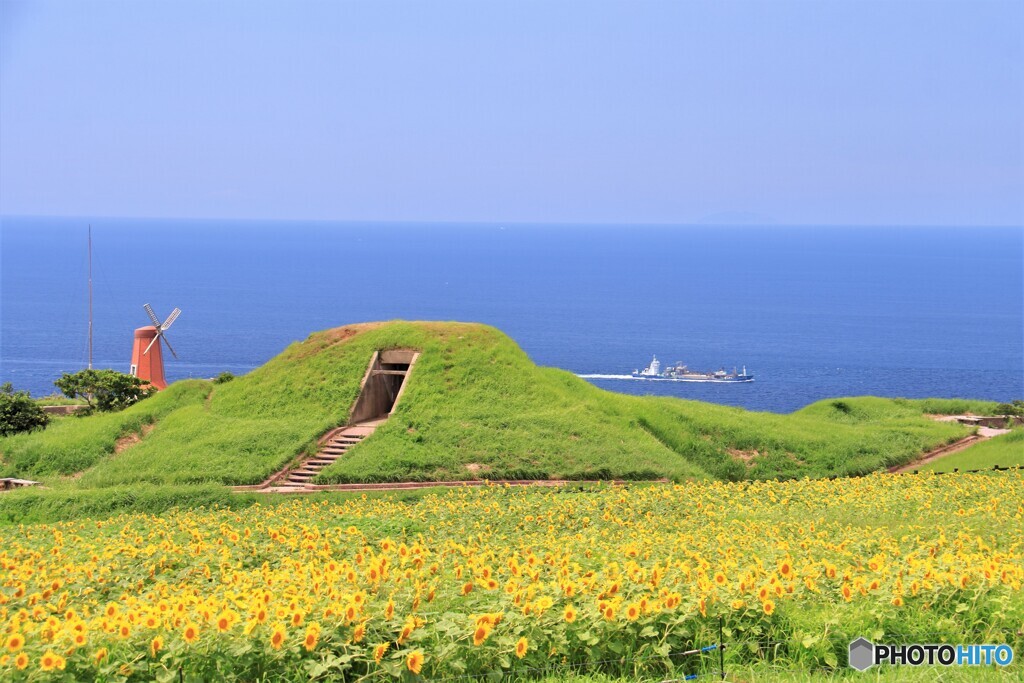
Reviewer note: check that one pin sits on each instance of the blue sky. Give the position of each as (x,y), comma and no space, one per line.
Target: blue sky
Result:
(844,112)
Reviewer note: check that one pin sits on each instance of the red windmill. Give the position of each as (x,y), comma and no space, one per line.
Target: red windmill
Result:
(147,359)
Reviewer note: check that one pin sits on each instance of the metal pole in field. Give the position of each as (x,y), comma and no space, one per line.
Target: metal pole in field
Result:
(90,296)
(721,646)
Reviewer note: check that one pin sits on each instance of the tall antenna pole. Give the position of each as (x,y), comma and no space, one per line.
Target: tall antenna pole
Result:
(90,296)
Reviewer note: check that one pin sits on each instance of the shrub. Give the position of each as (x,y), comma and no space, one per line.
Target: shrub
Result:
(104,390)
(1015,408)
(223,377)
(18,412)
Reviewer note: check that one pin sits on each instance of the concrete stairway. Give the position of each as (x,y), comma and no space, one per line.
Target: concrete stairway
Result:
(380,390)
(332,447)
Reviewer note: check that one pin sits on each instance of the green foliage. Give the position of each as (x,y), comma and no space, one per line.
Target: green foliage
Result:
(949,406)
(223,377)
(72,445)
(1006,450)
(33,505)
(105,390)
(18,412)
(883,536)
(1014,408)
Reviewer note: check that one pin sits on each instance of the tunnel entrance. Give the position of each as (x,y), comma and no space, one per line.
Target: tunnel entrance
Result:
(382,384)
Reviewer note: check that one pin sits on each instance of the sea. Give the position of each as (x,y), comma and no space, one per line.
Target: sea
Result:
(811,312)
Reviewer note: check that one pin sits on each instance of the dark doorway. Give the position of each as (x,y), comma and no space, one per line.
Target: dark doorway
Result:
(382,385)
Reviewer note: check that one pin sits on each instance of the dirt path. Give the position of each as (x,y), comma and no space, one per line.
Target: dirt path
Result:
(984,433)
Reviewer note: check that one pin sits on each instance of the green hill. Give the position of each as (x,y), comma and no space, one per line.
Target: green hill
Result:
(475,406)
(1006,450)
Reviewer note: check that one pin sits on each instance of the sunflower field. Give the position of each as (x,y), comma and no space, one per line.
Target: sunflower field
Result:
(520,581)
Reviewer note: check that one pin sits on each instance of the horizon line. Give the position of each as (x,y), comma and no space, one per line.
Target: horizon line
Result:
(519,223)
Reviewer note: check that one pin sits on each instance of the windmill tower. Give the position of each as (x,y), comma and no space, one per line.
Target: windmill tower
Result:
(147,358)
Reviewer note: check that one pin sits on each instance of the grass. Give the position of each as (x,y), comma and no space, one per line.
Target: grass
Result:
(1006,450)
(763,673)
(59,400)
(44,506)
(475,406)
(73,444)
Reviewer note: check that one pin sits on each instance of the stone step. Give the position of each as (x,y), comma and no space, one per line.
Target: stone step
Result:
(301,477)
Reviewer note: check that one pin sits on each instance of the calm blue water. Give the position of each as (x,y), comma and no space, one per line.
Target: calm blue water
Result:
(813,313)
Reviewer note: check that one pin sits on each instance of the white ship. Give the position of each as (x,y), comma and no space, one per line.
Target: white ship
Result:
(681,373)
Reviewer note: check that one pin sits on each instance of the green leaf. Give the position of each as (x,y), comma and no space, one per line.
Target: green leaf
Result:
(830,659)
(316,669)
(241,648)
(166,675)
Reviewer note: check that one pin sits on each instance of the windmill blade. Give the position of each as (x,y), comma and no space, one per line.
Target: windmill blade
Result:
(171,318)
(152,315)
(169,348)
(153,341)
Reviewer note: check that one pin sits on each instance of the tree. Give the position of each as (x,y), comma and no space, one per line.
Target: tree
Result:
(104,390)
(18,412)
(1015,408)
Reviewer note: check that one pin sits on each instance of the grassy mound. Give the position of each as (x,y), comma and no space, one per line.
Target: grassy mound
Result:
(475,406)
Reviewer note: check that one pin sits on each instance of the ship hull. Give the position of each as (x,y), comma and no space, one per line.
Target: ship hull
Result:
(720,380)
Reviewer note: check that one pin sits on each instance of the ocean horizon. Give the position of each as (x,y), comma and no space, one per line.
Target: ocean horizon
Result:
(811,312)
